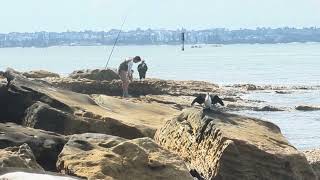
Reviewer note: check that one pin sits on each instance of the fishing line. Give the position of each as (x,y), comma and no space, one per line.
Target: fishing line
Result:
(115,42)
(117,38)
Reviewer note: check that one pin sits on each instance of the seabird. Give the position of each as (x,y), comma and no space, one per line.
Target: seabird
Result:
(7,75)
(208,100)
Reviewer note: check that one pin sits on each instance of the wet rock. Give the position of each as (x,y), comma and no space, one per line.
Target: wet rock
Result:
(42,116)
(313,157)
(268,108)
(40,74)
(308,108)
(97,156)
(96,74)
(226,146)
(241,106)
(231,99)
(46,146)
(283,92)
(18,157)
(248,87)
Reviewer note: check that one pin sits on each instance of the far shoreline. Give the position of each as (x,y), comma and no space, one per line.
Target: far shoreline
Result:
(175,44)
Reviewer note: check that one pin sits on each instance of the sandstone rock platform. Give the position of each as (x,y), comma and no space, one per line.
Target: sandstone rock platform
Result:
(98,156)
(226,146)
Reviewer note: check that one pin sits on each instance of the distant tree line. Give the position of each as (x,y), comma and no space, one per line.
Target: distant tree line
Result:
(157,37)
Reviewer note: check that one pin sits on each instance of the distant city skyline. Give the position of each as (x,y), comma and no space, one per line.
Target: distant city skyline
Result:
(158,37)
(117,29)
(103,15)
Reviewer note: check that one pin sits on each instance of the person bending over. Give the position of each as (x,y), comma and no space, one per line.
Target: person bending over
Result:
(125,73)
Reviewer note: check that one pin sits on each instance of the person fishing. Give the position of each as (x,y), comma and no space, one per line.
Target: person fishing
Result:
(142,69)
(125,73)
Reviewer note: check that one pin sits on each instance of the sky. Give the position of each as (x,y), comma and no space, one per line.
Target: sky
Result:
(98,15)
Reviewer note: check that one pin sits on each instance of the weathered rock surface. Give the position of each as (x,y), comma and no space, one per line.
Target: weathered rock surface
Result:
(43,116)
(40,74)
(39,104)
(308,108)
(21,94)
(111,157)
(147,117)
(46,146)
(96,74)
(313,157)
(18,157)
(225,146)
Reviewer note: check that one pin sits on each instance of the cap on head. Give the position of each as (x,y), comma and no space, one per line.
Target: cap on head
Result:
(137,59)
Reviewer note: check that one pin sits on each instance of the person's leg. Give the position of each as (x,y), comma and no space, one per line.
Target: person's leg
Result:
(123,77)
(140,75)
(144,75)
(126,87)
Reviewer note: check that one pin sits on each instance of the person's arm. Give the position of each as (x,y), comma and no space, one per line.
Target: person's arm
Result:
(131,75)
(130,64)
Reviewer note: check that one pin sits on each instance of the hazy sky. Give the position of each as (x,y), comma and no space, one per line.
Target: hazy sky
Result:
(63,15)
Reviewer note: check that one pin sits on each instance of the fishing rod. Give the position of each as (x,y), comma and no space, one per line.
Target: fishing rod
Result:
(115,42)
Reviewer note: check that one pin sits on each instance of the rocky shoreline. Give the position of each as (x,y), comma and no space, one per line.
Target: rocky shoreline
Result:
(79,127)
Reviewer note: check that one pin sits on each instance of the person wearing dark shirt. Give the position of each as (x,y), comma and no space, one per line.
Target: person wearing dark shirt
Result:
(142,69)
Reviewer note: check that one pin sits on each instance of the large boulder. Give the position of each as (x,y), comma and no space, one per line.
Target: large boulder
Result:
(40,74)
(98,156)
(96,74)
(225,146)
(46,146)
(22,93)
(18,157)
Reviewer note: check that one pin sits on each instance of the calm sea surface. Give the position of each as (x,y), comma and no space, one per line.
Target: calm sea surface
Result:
(278,64)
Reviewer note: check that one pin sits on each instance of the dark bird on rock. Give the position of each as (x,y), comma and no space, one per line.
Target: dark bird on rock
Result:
(204,99)
(9,75)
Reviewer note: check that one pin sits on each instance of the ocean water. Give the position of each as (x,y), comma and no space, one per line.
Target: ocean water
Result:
(273,64)
(300,127)
(228,64)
